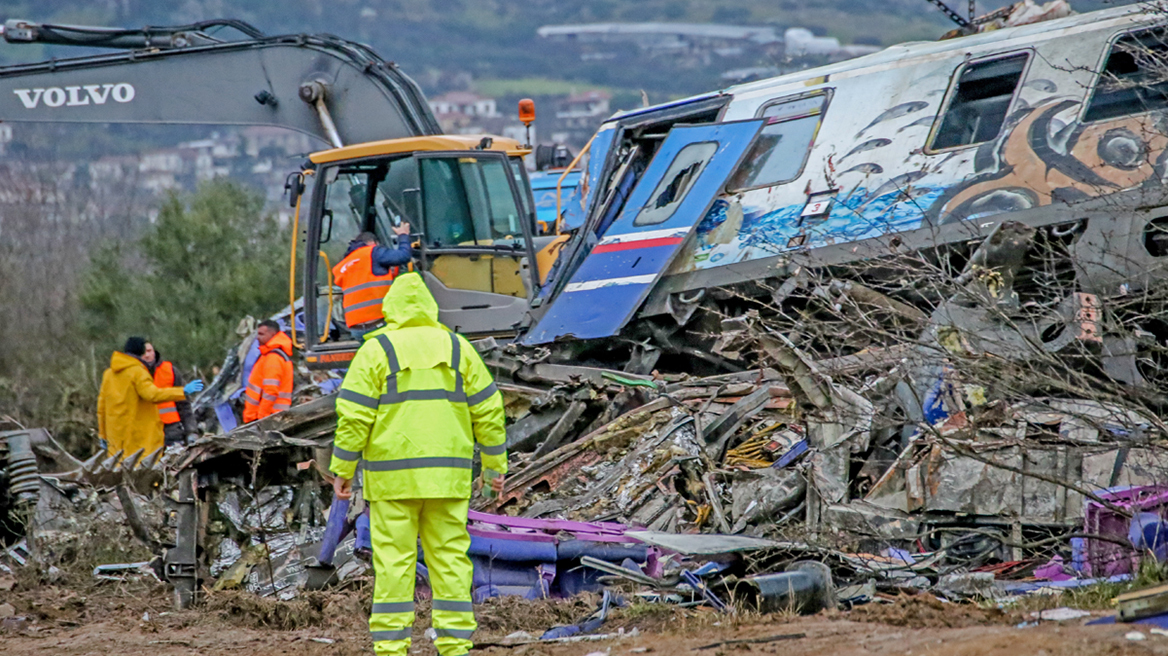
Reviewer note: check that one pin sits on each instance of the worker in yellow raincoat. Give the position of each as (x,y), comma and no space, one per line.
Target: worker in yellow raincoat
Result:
(415,400)
(127,414)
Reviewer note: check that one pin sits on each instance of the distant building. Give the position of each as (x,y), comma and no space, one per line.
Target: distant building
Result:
(800,42)
(160,170)
(465,103)
(259,156)
(740,75)
(260,139)
(463,112)
(686,45)
(665,37)
(113,169)
(744,50)
(582,109)
(578,115)
(181,167)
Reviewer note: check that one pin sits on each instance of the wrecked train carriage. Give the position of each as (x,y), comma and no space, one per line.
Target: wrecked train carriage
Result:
(883,174)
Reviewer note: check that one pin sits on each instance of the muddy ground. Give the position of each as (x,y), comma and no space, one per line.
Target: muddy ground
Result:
(134,619)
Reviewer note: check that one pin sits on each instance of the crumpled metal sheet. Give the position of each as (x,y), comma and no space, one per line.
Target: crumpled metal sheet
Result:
(762,493)
(284,573)
(703,544)
(264,514)
(1011,483)
(1137,466)
(829,473)
(859,517)
(229,553)
(618,472)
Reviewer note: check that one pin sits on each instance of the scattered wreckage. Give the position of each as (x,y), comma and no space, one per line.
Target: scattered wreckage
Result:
(900,465)
(672,487)
(970,449)
(971,407)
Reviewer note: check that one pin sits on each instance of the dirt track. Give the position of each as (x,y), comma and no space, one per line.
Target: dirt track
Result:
(134,620)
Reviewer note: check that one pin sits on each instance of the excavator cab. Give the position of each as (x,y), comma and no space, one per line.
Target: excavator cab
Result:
(468,202)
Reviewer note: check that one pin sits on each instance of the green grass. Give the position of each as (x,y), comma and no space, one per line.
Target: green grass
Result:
(534,86)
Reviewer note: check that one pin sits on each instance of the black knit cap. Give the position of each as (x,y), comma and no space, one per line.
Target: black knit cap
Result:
(135,346)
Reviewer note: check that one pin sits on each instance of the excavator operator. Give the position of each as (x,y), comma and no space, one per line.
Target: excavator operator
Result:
(365,275)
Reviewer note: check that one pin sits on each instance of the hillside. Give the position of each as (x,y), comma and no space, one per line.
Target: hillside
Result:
(439,42)
(487,46)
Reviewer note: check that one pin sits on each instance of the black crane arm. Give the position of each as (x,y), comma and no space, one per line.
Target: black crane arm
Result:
(184,75)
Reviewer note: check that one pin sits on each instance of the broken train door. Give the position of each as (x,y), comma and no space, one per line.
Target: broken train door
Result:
(675,192)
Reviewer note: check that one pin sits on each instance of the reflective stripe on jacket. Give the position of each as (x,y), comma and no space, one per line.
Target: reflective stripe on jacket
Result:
(269,387)
(415,400)
(164,377)
(363,290)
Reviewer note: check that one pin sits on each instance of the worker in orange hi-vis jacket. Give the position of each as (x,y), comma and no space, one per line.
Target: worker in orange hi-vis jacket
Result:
(365,274)
(177,421)
(269,387)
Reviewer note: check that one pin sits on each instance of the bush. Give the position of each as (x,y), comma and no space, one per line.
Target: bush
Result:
(207,260)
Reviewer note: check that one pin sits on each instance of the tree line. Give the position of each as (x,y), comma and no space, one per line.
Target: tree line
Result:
(84,266)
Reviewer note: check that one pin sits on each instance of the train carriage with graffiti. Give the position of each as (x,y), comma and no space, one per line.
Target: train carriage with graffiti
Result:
(1054,132)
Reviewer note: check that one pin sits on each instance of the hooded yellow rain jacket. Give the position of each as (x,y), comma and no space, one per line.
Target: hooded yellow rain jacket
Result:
(127,414)
(415,400)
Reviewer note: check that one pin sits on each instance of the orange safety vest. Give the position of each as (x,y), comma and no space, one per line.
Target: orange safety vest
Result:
(164,377)
(363,291)
(269,387)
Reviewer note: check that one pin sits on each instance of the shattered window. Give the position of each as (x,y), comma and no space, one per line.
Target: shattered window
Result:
(781,147)
(687,165)
(1134,79)
(977,109)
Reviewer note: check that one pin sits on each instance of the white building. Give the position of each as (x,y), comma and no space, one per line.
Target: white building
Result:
(464,103)
(665,36)
(800,42)
(257,138)
(585,106)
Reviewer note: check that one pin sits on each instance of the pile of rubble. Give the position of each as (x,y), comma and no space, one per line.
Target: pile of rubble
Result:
(677,487)
(739,452)
(973,496)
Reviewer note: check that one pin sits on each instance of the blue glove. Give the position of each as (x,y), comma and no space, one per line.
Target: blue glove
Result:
(193,387)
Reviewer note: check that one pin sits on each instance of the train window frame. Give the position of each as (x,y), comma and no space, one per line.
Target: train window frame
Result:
(954,85)
(680,178)
(1100,69)
(827,93)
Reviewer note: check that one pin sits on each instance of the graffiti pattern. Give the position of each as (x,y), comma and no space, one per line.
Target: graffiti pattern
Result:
(1040,158)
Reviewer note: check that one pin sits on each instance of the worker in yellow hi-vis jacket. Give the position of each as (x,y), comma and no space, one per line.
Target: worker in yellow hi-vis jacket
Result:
(414,402)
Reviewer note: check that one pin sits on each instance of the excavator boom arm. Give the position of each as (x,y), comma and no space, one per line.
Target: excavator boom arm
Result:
(181,75)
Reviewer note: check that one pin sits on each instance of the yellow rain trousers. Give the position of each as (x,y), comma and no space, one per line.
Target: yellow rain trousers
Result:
(442,526)
(416,399)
